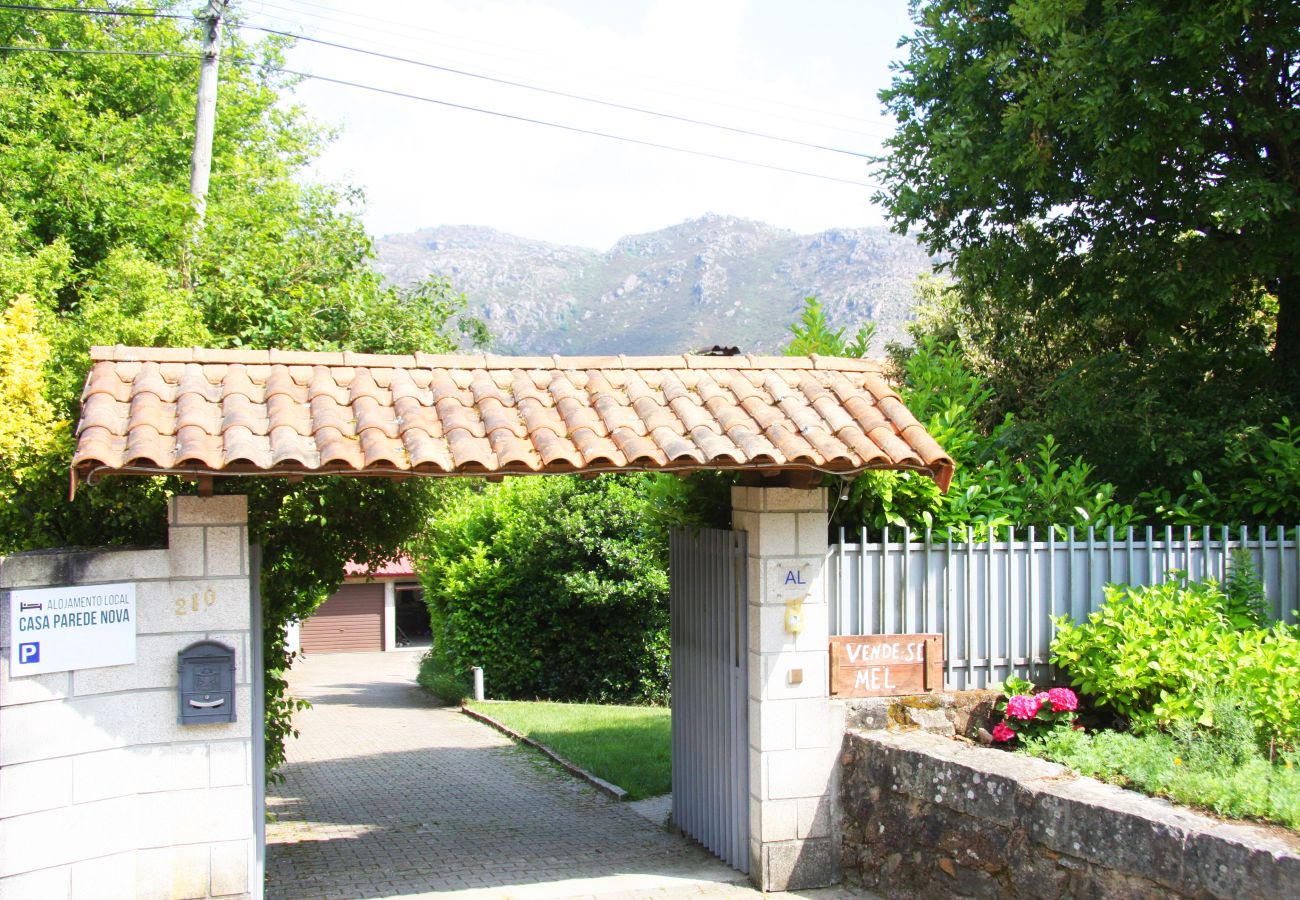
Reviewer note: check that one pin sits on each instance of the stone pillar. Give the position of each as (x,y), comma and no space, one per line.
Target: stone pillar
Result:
(102,792)
(794,729)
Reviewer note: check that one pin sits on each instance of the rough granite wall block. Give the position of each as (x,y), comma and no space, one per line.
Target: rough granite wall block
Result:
(926,816)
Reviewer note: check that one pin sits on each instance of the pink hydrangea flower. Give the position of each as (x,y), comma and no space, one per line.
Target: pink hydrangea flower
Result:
(1003,733)
(1023,706)
(1063,699)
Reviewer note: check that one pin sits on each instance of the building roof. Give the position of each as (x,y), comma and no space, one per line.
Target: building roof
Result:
(402,566)
(271,412)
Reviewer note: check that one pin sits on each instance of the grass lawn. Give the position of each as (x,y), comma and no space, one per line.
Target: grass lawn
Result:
(630,746)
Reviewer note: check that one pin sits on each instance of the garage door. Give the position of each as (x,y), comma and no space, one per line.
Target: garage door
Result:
(349,621)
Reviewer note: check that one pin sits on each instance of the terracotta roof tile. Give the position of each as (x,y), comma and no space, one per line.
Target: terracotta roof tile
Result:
(236,411)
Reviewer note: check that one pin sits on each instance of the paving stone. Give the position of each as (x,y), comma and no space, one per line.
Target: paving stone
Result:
(387,794)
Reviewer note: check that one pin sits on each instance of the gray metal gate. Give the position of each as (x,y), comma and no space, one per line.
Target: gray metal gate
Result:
(710,690)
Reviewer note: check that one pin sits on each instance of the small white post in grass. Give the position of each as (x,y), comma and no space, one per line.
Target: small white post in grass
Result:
(478,682)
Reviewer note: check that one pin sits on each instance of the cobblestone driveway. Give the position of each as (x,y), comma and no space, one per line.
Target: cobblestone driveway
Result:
(388,795)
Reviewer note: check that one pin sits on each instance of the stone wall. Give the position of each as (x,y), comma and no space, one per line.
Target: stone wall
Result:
(102,792)
(926,816)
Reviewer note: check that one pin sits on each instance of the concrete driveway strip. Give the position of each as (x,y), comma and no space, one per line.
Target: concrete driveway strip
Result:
(387,794)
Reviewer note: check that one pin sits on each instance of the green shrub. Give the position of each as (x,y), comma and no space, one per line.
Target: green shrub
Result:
(557,586)
(438,676)
(1158,655)
(1191,765)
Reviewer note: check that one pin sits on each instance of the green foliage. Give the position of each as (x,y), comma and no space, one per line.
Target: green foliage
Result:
(813,334)
(439,676)
(630,746)
(557,586)
(1246,601)
(1256,482)
(95,221)
(993,486)
(1112,185)
(1157,654)
(1219,772)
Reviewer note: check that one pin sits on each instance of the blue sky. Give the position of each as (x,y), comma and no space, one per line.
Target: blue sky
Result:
(808,71)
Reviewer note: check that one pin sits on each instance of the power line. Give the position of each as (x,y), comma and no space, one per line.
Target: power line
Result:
(84,51)
(576,129)
(556,93)
(694,97)
(447,103)
(96,11)
(463,72)
(458,37)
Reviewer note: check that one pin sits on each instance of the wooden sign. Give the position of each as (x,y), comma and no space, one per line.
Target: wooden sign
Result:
(886,665)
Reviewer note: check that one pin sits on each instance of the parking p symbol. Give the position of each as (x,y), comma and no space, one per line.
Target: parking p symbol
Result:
(29,653)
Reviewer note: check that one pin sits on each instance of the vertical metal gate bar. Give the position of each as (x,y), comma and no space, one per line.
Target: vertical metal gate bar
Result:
(710,685)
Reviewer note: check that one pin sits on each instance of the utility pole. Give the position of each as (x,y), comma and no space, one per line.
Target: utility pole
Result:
(205,113)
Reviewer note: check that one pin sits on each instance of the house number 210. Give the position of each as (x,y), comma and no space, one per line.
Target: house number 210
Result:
(194,602)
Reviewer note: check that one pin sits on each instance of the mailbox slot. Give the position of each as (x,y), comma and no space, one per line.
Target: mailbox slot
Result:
(206,684)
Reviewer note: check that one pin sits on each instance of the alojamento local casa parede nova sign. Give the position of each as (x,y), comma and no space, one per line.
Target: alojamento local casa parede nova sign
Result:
(65,628)
(886,665)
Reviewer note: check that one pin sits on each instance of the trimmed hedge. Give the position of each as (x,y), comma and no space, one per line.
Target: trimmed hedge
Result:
(557,586)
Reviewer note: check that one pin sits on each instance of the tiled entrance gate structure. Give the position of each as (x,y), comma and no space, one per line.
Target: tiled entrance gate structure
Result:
(784,422)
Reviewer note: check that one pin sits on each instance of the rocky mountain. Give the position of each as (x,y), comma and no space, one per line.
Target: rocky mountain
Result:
(712,280)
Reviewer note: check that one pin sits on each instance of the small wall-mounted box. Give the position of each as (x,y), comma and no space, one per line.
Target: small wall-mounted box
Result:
(207,684)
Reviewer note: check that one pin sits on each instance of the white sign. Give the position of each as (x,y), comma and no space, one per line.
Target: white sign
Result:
(65,628)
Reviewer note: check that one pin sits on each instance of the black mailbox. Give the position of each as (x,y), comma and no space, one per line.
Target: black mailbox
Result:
(207,684)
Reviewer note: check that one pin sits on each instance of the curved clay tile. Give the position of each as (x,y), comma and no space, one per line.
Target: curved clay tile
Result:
(555,451)
(454,415)
(638,449)
(322,384)
(242,445)
(716,447)
(283,411)
(678,449)
(596,449)
(239,382)
(513,450)
(577,415)
(378,449)
(237,411)
(757,448)
(195,445)
(497,417)
(280,383)
(413,414)
(100,410)
(868,452)
(538,417)
(146,447)
(428,453)
(371,413)
(104,379)
(150,380)
(656,416)
(291,447)
(335,448)
(194,383)
(97,444)
(469,450)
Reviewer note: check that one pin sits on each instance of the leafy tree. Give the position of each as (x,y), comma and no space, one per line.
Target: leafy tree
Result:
(94,166)
(993,485)
(1118,187)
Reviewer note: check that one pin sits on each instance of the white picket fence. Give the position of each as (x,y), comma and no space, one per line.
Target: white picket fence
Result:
(994,600)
